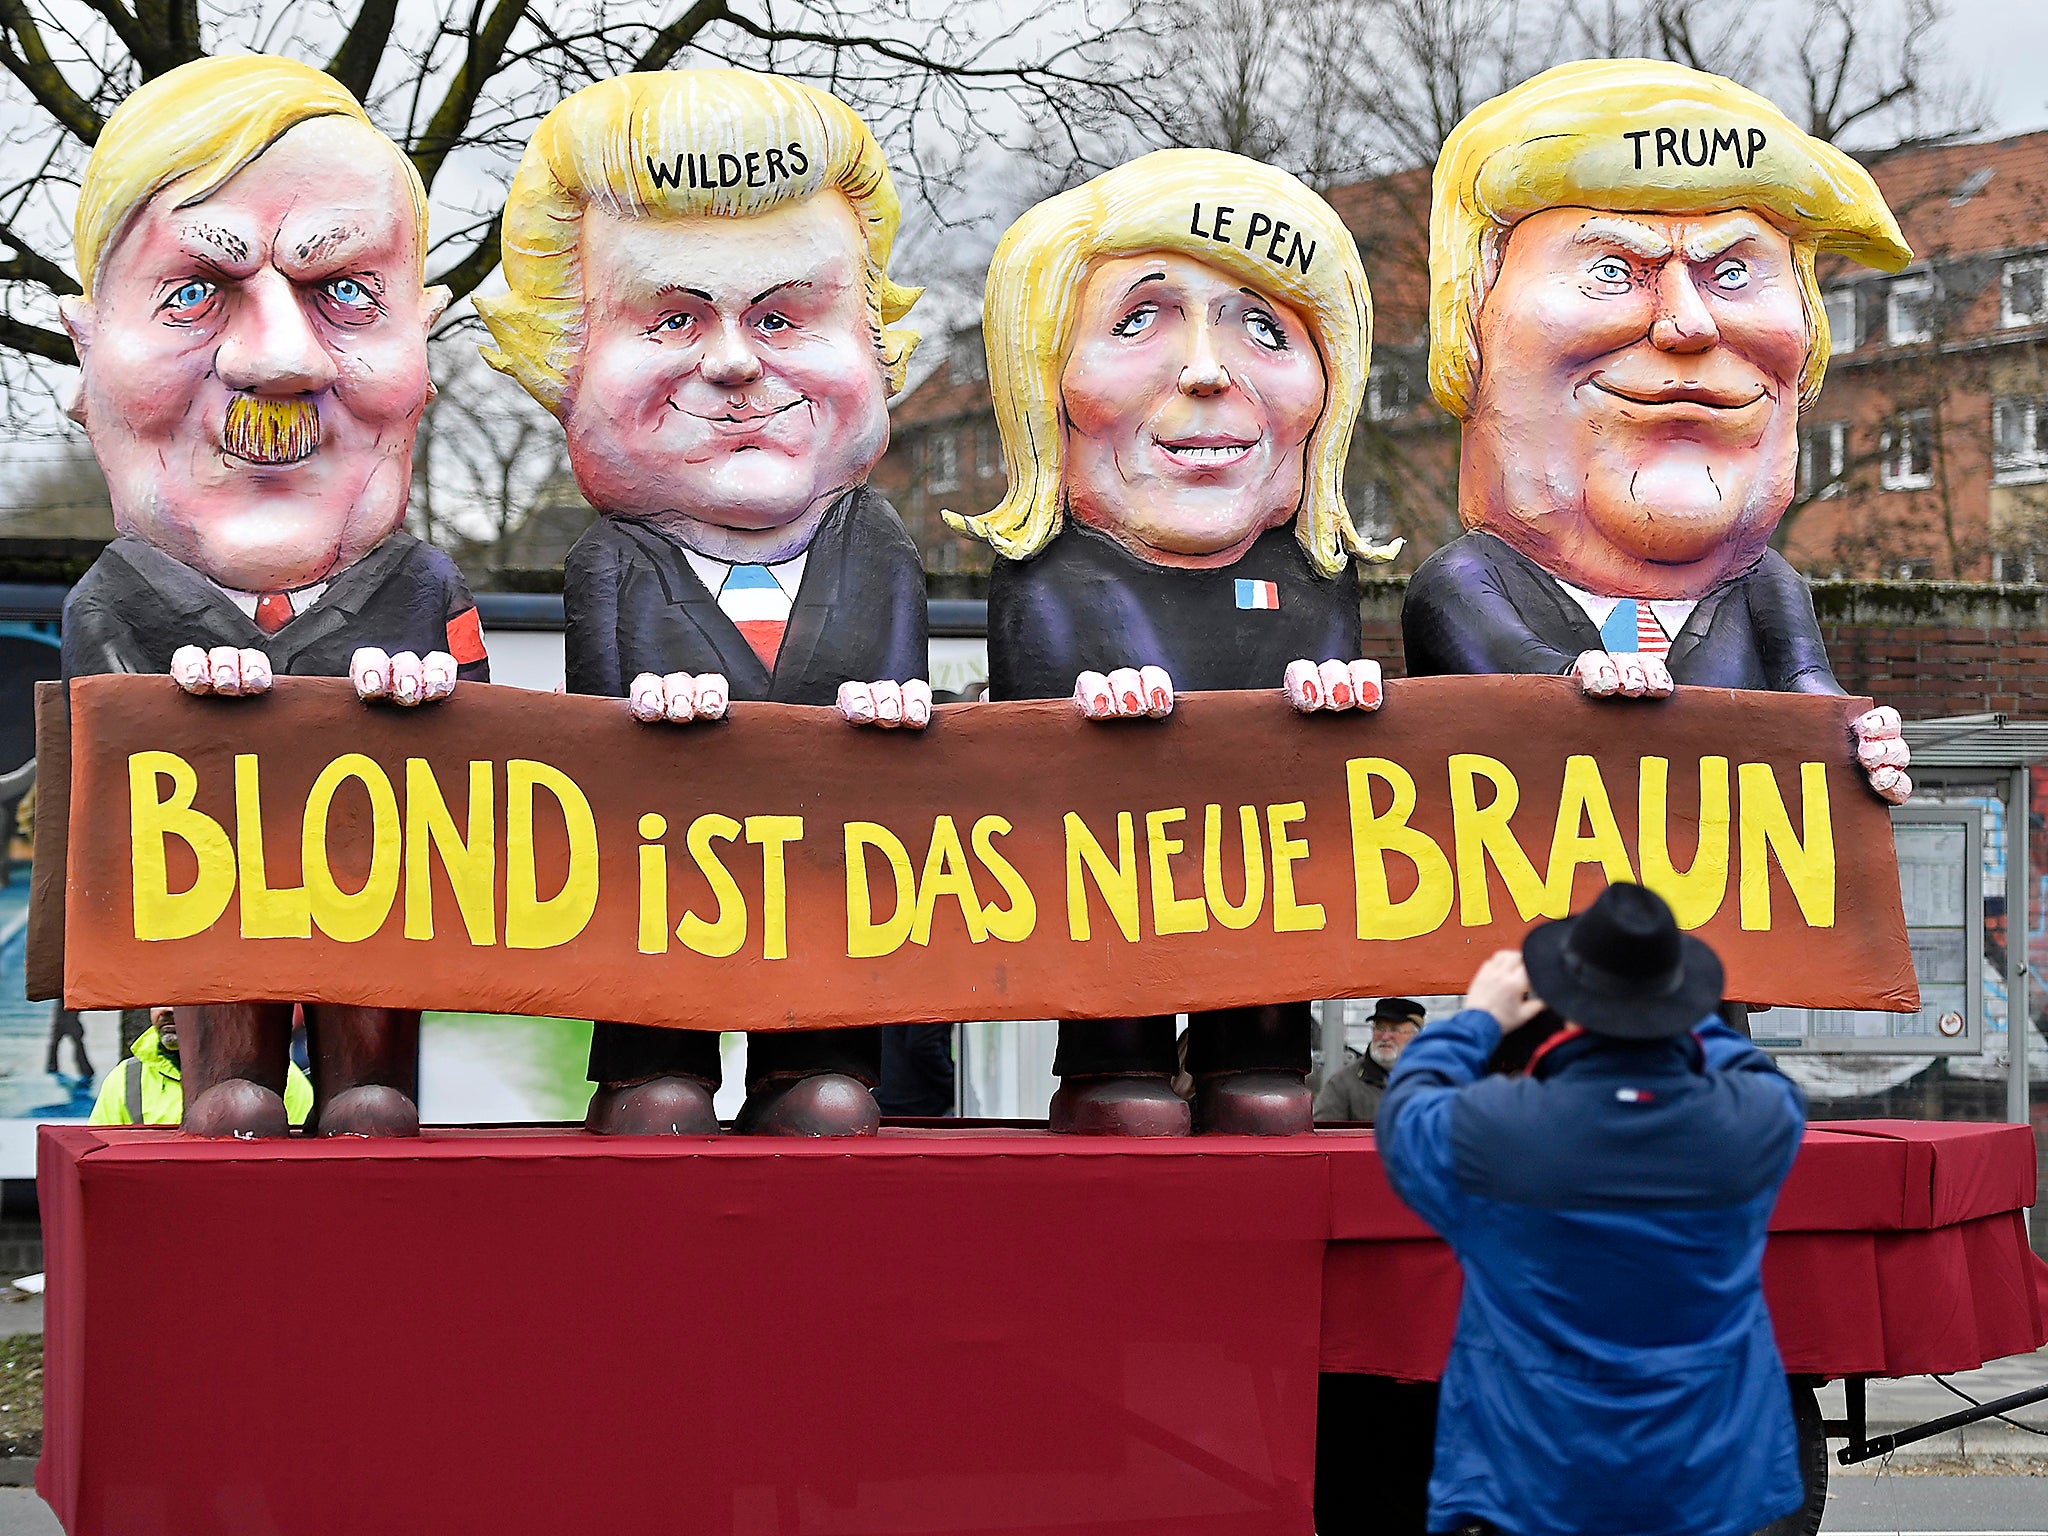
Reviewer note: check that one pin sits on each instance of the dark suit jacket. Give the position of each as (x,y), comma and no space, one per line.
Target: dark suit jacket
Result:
(1479,605)
(1086,604)
(635,604)
(137,605)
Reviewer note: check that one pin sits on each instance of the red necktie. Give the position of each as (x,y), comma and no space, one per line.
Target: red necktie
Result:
(273,612)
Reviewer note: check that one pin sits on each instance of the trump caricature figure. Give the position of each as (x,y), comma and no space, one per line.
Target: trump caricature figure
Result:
(1624,317)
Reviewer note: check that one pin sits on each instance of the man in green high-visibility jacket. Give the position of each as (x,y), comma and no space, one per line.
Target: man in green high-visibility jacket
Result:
(147,1089)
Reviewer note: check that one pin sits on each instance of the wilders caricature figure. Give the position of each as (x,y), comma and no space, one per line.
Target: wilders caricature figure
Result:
(1177,351)
(1624,315)
(698,264)
(252,341)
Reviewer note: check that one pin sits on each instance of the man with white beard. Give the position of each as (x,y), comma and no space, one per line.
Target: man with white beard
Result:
(1352,1093)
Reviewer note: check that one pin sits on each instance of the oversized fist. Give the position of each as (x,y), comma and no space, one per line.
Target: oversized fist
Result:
(1882,752)
(1125,694)
(1603,675)
(679,698)
(1334,685)
(225,670)
(406,678)
(888,705)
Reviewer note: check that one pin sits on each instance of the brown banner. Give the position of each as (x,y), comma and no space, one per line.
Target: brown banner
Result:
(517,852)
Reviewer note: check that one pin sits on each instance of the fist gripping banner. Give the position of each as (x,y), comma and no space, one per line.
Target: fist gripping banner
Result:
(516,853)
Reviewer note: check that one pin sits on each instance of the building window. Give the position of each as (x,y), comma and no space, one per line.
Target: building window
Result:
(941,461)
(967,363)
(988,450)
(2019,441)
(1908,453)
(1823,456)
(1841,311)
(1909,310)
(2023,292)
(1386,392)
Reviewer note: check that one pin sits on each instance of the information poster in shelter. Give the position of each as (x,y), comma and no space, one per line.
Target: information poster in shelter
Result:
(549,855)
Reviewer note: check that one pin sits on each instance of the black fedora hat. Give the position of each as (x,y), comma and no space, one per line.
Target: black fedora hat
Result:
(1622,968)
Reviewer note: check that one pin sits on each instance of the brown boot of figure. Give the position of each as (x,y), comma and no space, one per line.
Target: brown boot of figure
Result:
(1253,1104)
(1125,1104)
(232,1059)
(238,1108)
(826,1104)
(655,1106)
(365,1069)
(371,1110)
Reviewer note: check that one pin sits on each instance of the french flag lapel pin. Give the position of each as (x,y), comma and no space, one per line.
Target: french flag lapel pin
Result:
(1257,594)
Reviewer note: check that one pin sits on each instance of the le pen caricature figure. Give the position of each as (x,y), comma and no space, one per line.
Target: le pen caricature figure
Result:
(1177,351)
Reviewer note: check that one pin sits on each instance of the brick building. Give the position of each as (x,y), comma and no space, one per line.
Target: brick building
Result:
(1926,456)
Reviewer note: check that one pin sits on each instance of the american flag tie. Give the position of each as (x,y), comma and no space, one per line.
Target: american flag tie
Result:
(1632,626)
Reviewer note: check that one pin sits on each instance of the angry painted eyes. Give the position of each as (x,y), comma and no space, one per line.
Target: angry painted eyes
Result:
(347,299)
(1613,274)
(1263,327)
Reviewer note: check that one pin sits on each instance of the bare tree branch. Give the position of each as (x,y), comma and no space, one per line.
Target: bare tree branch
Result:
(355,62)
(26,57)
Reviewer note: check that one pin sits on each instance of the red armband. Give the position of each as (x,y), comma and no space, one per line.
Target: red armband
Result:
(466,637)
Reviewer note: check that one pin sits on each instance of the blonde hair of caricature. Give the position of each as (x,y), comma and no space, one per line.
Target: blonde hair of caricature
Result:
(196,126)
(726,142)
(1620,134)
(1289,243)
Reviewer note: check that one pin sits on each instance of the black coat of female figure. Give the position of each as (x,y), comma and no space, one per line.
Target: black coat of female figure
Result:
(1087,604)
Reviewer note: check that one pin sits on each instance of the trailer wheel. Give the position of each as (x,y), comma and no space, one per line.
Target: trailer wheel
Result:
(1813,1461)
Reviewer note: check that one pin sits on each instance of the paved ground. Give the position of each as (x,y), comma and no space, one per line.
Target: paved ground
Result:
(1956,1504)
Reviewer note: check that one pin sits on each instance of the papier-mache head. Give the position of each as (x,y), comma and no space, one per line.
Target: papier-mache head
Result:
(1256,232)
(636,199)
(253,323)
(1624,313)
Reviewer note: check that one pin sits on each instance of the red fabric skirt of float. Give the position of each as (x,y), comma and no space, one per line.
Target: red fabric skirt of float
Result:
(959,1329)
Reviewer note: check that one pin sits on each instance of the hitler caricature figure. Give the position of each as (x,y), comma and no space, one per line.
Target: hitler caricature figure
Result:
(1624,315)
(252,341)
(1177,351)
(698,266)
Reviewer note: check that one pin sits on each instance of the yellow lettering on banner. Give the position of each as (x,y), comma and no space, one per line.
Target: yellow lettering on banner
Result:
(471,863)
(865,937)
(727,930)
(1118,882)
(283,913)
(1583,799)
(653,885)
(946,874)
(774,833)
(1483,833)
(530,921)
(1170,913)
(1246,912)
(1695,894)
(160,912)
(1289,915)
(1014,923)
(349,917)
(1374,836)
(1809,864)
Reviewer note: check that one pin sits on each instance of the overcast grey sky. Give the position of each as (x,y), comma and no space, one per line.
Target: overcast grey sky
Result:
(2006,43)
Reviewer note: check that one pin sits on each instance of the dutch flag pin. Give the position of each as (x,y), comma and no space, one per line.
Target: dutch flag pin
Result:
(1257,594)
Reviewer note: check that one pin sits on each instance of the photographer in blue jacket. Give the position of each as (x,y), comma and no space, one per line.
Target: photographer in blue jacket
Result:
(1614,1371)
